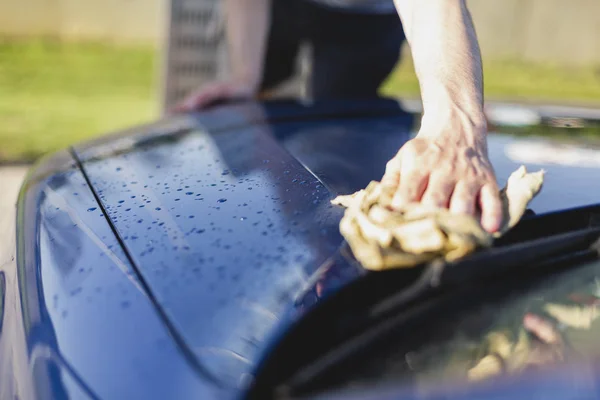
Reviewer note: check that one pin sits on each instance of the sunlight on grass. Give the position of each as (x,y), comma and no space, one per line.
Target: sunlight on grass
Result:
(54,94)
(518,81)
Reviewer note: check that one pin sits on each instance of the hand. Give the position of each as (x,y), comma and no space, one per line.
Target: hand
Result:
(447,165)
(217,91)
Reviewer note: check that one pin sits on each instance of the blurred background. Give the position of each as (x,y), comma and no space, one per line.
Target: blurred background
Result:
(74,69)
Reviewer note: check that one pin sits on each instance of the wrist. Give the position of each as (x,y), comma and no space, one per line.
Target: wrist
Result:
(462,121)
(452,102)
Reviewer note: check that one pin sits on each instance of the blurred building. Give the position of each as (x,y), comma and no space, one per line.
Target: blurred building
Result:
(195,47)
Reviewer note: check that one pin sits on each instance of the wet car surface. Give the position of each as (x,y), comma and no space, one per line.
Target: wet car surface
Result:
(171,259)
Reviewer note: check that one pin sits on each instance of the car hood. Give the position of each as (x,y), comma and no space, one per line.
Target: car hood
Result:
(226,214)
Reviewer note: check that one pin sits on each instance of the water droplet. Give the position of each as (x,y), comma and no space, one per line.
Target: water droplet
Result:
(119,168)
(243,218)
(92,209)
(125,304)
(157,208)
(189,193)
(221,200)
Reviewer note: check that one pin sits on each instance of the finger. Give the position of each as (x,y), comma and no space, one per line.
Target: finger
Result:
(542,329)
(439,191)
(411,188)
(491,208)
(391,177)
(191,103)
(204,97)
(464,198)
(182,106)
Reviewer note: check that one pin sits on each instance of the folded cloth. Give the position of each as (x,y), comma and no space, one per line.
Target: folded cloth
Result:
(382,238)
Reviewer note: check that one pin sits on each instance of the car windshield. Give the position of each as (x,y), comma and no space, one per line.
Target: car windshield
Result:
(529,303)
(487,332)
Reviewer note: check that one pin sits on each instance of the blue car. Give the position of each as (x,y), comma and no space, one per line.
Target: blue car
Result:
(199,257)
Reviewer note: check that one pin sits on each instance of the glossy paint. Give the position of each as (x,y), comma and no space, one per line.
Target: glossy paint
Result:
(200,241)
(226,230)
(78,324)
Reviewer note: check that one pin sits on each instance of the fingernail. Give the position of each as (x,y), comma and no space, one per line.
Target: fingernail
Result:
(491,225)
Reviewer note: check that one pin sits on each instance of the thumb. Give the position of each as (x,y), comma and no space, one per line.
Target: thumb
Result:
(391,177)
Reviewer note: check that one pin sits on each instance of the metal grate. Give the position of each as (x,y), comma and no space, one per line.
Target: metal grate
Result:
(195,50)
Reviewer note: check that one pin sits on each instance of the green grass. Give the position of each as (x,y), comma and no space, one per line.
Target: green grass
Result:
(518,81)
(53,94)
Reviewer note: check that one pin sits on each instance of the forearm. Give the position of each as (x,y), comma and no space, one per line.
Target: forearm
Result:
(247,24)
(447,59)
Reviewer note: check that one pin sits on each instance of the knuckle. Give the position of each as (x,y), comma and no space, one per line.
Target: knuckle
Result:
(412,173)
(391,165)
(467,188)
(411,150)
(437,199)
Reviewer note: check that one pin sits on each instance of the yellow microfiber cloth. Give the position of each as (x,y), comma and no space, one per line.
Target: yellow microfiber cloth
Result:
(382,238)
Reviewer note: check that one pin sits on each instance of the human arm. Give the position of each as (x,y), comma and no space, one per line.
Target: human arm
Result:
(447,164)
(247,25)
